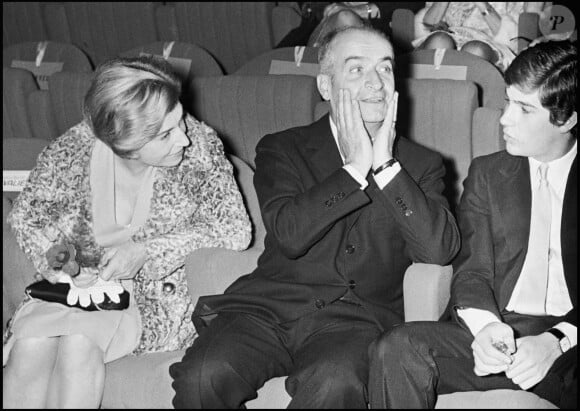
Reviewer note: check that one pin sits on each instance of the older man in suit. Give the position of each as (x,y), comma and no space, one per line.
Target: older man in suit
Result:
(514,289)
(347,210)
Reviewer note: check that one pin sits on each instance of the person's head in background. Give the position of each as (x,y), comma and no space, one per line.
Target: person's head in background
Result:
(540,117)
(360,60)
(133,106)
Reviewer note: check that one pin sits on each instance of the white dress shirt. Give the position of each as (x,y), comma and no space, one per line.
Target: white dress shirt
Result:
(558,301)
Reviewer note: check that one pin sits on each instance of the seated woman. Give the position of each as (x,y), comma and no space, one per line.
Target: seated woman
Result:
(320,18)
(486,29)
(135,187)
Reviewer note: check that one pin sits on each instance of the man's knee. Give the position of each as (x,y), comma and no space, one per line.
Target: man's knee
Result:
(480,49)
(331,379)
(201,380)
(391,343)
(439,40)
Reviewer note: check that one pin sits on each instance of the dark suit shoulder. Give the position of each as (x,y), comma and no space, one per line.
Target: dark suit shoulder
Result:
(498,161)
(299,136)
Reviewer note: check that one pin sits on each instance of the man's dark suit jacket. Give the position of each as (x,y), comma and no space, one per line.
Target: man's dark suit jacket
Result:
(494,217)
(326,237)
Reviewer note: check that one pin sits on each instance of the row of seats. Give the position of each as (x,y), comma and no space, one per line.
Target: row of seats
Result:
(403,28)
(232,32)
(243,108)
(438,113)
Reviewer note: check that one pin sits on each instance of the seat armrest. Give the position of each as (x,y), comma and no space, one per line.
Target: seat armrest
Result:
(17,270)
(212,270)
(426,291)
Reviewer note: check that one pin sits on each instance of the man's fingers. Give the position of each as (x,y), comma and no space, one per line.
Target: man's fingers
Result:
(340,123)
(395,108)
(348,118)
(391,116)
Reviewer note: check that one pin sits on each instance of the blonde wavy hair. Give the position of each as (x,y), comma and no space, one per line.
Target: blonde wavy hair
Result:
(128,101)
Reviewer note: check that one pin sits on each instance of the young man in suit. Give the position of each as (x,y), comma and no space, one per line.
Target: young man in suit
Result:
(514,288)
(347,209)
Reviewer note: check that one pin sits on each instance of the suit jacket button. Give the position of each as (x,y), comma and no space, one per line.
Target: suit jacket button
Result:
(349,249)
(399,200)
(168,288)
(328,203)
(319,304)
(408,213)
(352,284)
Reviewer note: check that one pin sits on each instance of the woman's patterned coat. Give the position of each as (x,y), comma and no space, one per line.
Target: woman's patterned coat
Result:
(196,204)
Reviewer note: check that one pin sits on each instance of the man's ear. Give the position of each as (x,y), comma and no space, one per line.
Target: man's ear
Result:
(570,123)
(323,83)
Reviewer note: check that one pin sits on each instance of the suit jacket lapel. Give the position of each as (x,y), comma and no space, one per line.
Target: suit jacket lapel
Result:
(325,157)
(321,149)
(514,202)
(569,231)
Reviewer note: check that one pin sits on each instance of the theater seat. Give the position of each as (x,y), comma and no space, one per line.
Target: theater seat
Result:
(233,32)
(17,85)
(71,57)
(189,60)
(403,28)
(455,65)
(60,107)
(242,109)
(283,60)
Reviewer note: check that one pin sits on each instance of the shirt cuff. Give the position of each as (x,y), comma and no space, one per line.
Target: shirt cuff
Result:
(571,331)
(476,319)
(356,175)
(385,176)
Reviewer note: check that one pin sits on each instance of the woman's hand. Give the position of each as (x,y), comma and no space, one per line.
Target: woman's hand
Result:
(122,262)
(86,277)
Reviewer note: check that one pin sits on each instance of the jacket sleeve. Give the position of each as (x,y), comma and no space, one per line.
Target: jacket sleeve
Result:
(297,214)
(414,198)
(217,219)
(474,273)
(37,209)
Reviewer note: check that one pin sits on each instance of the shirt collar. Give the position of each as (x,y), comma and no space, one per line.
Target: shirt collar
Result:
(558,169)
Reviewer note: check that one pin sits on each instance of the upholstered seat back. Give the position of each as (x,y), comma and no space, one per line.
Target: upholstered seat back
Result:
(233,32)
(456,65)
(60,107)
(287,60)
(17,85)
(242,109)
(200,61)
(71,57)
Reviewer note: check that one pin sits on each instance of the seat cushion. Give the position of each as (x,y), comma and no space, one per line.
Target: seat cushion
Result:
(497,399)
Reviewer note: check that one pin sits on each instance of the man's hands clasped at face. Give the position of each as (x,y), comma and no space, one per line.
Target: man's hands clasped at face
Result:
(526,360)
(359,148)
